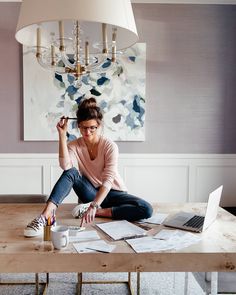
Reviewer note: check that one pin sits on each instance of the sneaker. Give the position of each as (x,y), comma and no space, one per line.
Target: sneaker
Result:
(35,227)
(79,210)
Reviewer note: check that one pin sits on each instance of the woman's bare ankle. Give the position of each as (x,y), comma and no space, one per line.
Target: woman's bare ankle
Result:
(104,212)
(49,209)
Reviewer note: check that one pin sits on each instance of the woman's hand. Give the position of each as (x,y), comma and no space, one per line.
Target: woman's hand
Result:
(62,127)
(88,216)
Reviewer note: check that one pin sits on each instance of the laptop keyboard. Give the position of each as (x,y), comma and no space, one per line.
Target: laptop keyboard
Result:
(195,222)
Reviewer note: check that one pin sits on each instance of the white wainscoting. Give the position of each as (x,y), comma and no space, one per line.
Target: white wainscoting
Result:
(154,177)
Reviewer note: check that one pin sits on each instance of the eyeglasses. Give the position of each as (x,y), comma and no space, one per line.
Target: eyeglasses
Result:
(90,128)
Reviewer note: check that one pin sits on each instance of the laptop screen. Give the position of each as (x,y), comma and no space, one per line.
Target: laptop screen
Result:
(212,207)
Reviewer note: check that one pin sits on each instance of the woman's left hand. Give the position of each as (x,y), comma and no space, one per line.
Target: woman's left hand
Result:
(89,215)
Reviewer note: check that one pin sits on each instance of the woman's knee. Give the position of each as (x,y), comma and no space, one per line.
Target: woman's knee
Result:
(147,209)
(72,172)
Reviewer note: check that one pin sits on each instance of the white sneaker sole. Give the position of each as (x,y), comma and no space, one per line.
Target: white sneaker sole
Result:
(30,233)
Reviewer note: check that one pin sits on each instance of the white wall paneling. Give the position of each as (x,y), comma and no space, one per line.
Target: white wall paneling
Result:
(14,177)
(155,177)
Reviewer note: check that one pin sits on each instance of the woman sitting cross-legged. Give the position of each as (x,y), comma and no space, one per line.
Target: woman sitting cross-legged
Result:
(90,169)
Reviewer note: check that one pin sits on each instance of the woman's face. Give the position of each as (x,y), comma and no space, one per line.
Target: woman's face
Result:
(88,128)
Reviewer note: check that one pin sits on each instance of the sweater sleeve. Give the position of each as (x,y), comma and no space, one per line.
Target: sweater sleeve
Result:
(70,161)
(110,168)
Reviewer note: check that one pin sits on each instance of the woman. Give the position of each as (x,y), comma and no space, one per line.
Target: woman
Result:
(90,168)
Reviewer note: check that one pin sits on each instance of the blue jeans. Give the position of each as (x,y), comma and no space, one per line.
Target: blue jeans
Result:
(122,204)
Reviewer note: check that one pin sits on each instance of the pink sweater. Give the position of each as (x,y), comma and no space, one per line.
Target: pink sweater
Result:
(102,170)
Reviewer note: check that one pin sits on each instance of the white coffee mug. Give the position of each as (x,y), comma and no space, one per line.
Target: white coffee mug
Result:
(60,236)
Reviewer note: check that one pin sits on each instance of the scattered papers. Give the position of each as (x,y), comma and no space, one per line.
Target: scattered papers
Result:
(178,239)
(94,246)
(164,240)
(83,236)
(157,218)
(121,229)
(90,241)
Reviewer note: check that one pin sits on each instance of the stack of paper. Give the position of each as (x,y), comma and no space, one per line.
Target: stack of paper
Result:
(121,229)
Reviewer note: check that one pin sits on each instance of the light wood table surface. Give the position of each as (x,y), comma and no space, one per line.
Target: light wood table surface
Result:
(215,252)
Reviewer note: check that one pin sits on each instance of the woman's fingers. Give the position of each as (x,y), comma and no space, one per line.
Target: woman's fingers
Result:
(62,124)
(82,221)
(88,216)
(63,120)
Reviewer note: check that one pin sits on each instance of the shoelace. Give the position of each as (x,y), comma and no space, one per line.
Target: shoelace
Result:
(36,223)
(82,210)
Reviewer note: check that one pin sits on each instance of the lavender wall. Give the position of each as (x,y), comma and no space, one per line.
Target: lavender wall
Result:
(190,88)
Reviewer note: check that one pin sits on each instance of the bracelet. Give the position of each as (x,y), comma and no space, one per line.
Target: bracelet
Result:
(94,205)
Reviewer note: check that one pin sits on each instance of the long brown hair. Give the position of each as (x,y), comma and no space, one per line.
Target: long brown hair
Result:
(88,110)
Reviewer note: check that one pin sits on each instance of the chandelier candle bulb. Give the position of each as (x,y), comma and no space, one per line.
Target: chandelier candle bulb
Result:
(104,38)
(114,30)
(61,35)
(53,63)
(86,53)
(77,42)
(38,53)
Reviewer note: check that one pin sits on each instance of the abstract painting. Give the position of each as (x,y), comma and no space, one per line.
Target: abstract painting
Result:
(119,89)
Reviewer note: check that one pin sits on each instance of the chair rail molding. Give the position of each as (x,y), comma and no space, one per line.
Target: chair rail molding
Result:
(185,1)
(226,2)
(154,177)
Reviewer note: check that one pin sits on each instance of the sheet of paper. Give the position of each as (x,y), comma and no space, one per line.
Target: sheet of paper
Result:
(157,218)
(146,244)
(121,229)
(97,246)
(73,230)
(182,240)
(83,236)
(165,234)
(101,246)
(81,248)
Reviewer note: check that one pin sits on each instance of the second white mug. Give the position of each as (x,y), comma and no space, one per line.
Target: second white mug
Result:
(60,236)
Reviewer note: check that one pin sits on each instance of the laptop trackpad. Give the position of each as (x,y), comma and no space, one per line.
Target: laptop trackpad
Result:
(181,218)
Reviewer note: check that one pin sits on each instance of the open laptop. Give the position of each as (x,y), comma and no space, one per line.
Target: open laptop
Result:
(197,223)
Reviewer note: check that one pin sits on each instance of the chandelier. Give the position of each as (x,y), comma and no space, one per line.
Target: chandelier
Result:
(76,36)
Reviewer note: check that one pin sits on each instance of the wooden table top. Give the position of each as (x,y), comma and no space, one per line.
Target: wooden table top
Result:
(215,252)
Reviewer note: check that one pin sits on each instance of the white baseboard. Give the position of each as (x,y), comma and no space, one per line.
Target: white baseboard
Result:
(154,177)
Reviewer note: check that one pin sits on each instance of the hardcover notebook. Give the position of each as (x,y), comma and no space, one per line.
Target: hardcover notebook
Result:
(197,223)
(121,229)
